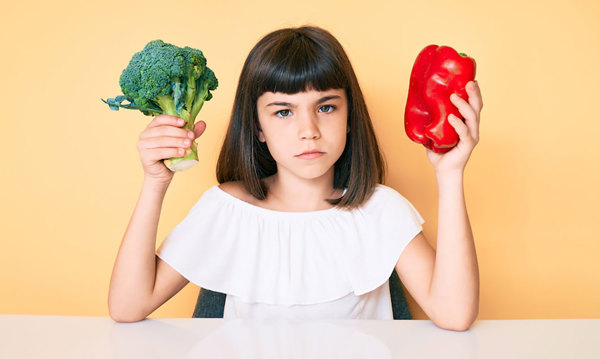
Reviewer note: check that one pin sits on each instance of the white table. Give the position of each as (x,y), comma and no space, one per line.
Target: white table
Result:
(29,336)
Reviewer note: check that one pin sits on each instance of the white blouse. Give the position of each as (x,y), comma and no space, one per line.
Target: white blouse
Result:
(327,264)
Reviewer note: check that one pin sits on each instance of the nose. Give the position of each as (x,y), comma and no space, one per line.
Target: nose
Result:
(308,128)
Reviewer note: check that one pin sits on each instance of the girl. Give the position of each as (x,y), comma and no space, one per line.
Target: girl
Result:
(301,225)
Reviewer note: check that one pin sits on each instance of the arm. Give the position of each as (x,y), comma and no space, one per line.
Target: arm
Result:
(454,289)
(140,281)
(446,283)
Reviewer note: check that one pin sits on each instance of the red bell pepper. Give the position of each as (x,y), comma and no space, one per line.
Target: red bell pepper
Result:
(438,72)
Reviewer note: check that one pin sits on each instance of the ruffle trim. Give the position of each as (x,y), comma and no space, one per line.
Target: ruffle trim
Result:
(290,258)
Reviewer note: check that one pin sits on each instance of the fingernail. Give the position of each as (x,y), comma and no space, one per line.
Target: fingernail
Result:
(191,135)
(180,121)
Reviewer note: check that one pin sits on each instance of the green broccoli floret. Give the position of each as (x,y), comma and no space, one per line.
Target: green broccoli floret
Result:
(166,79)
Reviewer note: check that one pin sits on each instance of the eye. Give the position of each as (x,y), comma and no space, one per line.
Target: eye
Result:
(282,113)
(326,108)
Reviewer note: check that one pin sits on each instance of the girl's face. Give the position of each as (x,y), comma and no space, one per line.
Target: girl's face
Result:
(305,132)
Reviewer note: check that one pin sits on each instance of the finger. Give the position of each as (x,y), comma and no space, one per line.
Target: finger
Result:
(462,130)
(463,107)
(166,130)
(163,119)
(467,112)
(158,142)
(157,154)
(474,93)
(472,127)
(199,129)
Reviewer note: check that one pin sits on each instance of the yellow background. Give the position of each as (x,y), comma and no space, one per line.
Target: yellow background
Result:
(71,174)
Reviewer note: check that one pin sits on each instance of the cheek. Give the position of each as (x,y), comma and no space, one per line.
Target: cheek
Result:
(343,127)
(274,140)
(338,138)
(270,135)
(342,145)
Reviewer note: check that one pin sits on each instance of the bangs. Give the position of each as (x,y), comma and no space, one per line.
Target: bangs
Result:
(290,61)
(298,64)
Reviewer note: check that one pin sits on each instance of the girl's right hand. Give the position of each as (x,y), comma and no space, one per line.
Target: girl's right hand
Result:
(163,138)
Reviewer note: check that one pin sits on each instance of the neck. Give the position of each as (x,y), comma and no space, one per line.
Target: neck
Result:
(294,194)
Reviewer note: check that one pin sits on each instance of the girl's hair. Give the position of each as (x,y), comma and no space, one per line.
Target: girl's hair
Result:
(293,60)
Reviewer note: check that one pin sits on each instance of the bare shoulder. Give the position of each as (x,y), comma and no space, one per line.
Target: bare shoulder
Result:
(236,189)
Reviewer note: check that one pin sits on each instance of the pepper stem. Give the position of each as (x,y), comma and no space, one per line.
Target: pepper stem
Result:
(462,54)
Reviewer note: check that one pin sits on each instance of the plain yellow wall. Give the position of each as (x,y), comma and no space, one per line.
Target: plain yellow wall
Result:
(71,174)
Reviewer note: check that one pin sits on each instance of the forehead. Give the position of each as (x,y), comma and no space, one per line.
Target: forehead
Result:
(309,96)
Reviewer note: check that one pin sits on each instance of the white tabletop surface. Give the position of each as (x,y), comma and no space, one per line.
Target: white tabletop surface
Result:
(30,336)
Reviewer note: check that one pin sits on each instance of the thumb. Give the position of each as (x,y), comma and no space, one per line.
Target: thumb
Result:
(199,128)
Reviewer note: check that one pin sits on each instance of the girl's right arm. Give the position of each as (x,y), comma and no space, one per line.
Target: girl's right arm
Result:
(141,282)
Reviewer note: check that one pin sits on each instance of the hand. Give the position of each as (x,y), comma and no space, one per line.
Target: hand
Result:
(456,159)
(164,138)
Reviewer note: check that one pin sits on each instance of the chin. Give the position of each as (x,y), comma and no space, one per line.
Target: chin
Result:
(314,173)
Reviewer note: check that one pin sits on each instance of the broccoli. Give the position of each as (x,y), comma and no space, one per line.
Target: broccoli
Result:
(166,79)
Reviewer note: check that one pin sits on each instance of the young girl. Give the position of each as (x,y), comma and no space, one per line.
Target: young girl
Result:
(301,225)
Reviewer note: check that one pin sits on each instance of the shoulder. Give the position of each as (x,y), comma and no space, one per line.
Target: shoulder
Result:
(385,194)
(386,202)
(237,189)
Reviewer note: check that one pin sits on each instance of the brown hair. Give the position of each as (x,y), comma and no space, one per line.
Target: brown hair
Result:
(293,60)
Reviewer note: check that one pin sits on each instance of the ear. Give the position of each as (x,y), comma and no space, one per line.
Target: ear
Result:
(259,133)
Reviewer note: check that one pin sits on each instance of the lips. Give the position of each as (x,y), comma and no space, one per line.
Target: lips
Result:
(310,154)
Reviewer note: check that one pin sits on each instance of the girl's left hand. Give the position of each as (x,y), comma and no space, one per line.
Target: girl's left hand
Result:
(456,159)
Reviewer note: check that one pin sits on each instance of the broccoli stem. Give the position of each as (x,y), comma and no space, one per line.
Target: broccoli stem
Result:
(183,163)
(167,104)
(199,101)
(190,93)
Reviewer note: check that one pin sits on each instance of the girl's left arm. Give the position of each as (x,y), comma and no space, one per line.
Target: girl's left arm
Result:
(445,282)
(455,282)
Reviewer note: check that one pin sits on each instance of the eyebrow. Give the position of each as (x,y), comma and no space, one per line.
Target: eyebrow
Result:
(287,104)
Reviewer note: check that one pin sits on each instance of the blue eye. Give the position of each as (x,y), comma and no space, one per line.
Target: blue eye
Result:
(283,113)
(327,108)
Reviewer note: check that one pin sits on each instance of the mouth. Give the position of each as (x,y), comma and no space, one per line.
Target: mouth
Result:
(308,155)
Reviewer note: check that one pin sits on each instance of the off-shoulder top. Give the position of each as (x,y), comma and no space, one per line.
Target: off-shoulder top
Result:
(326,264)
